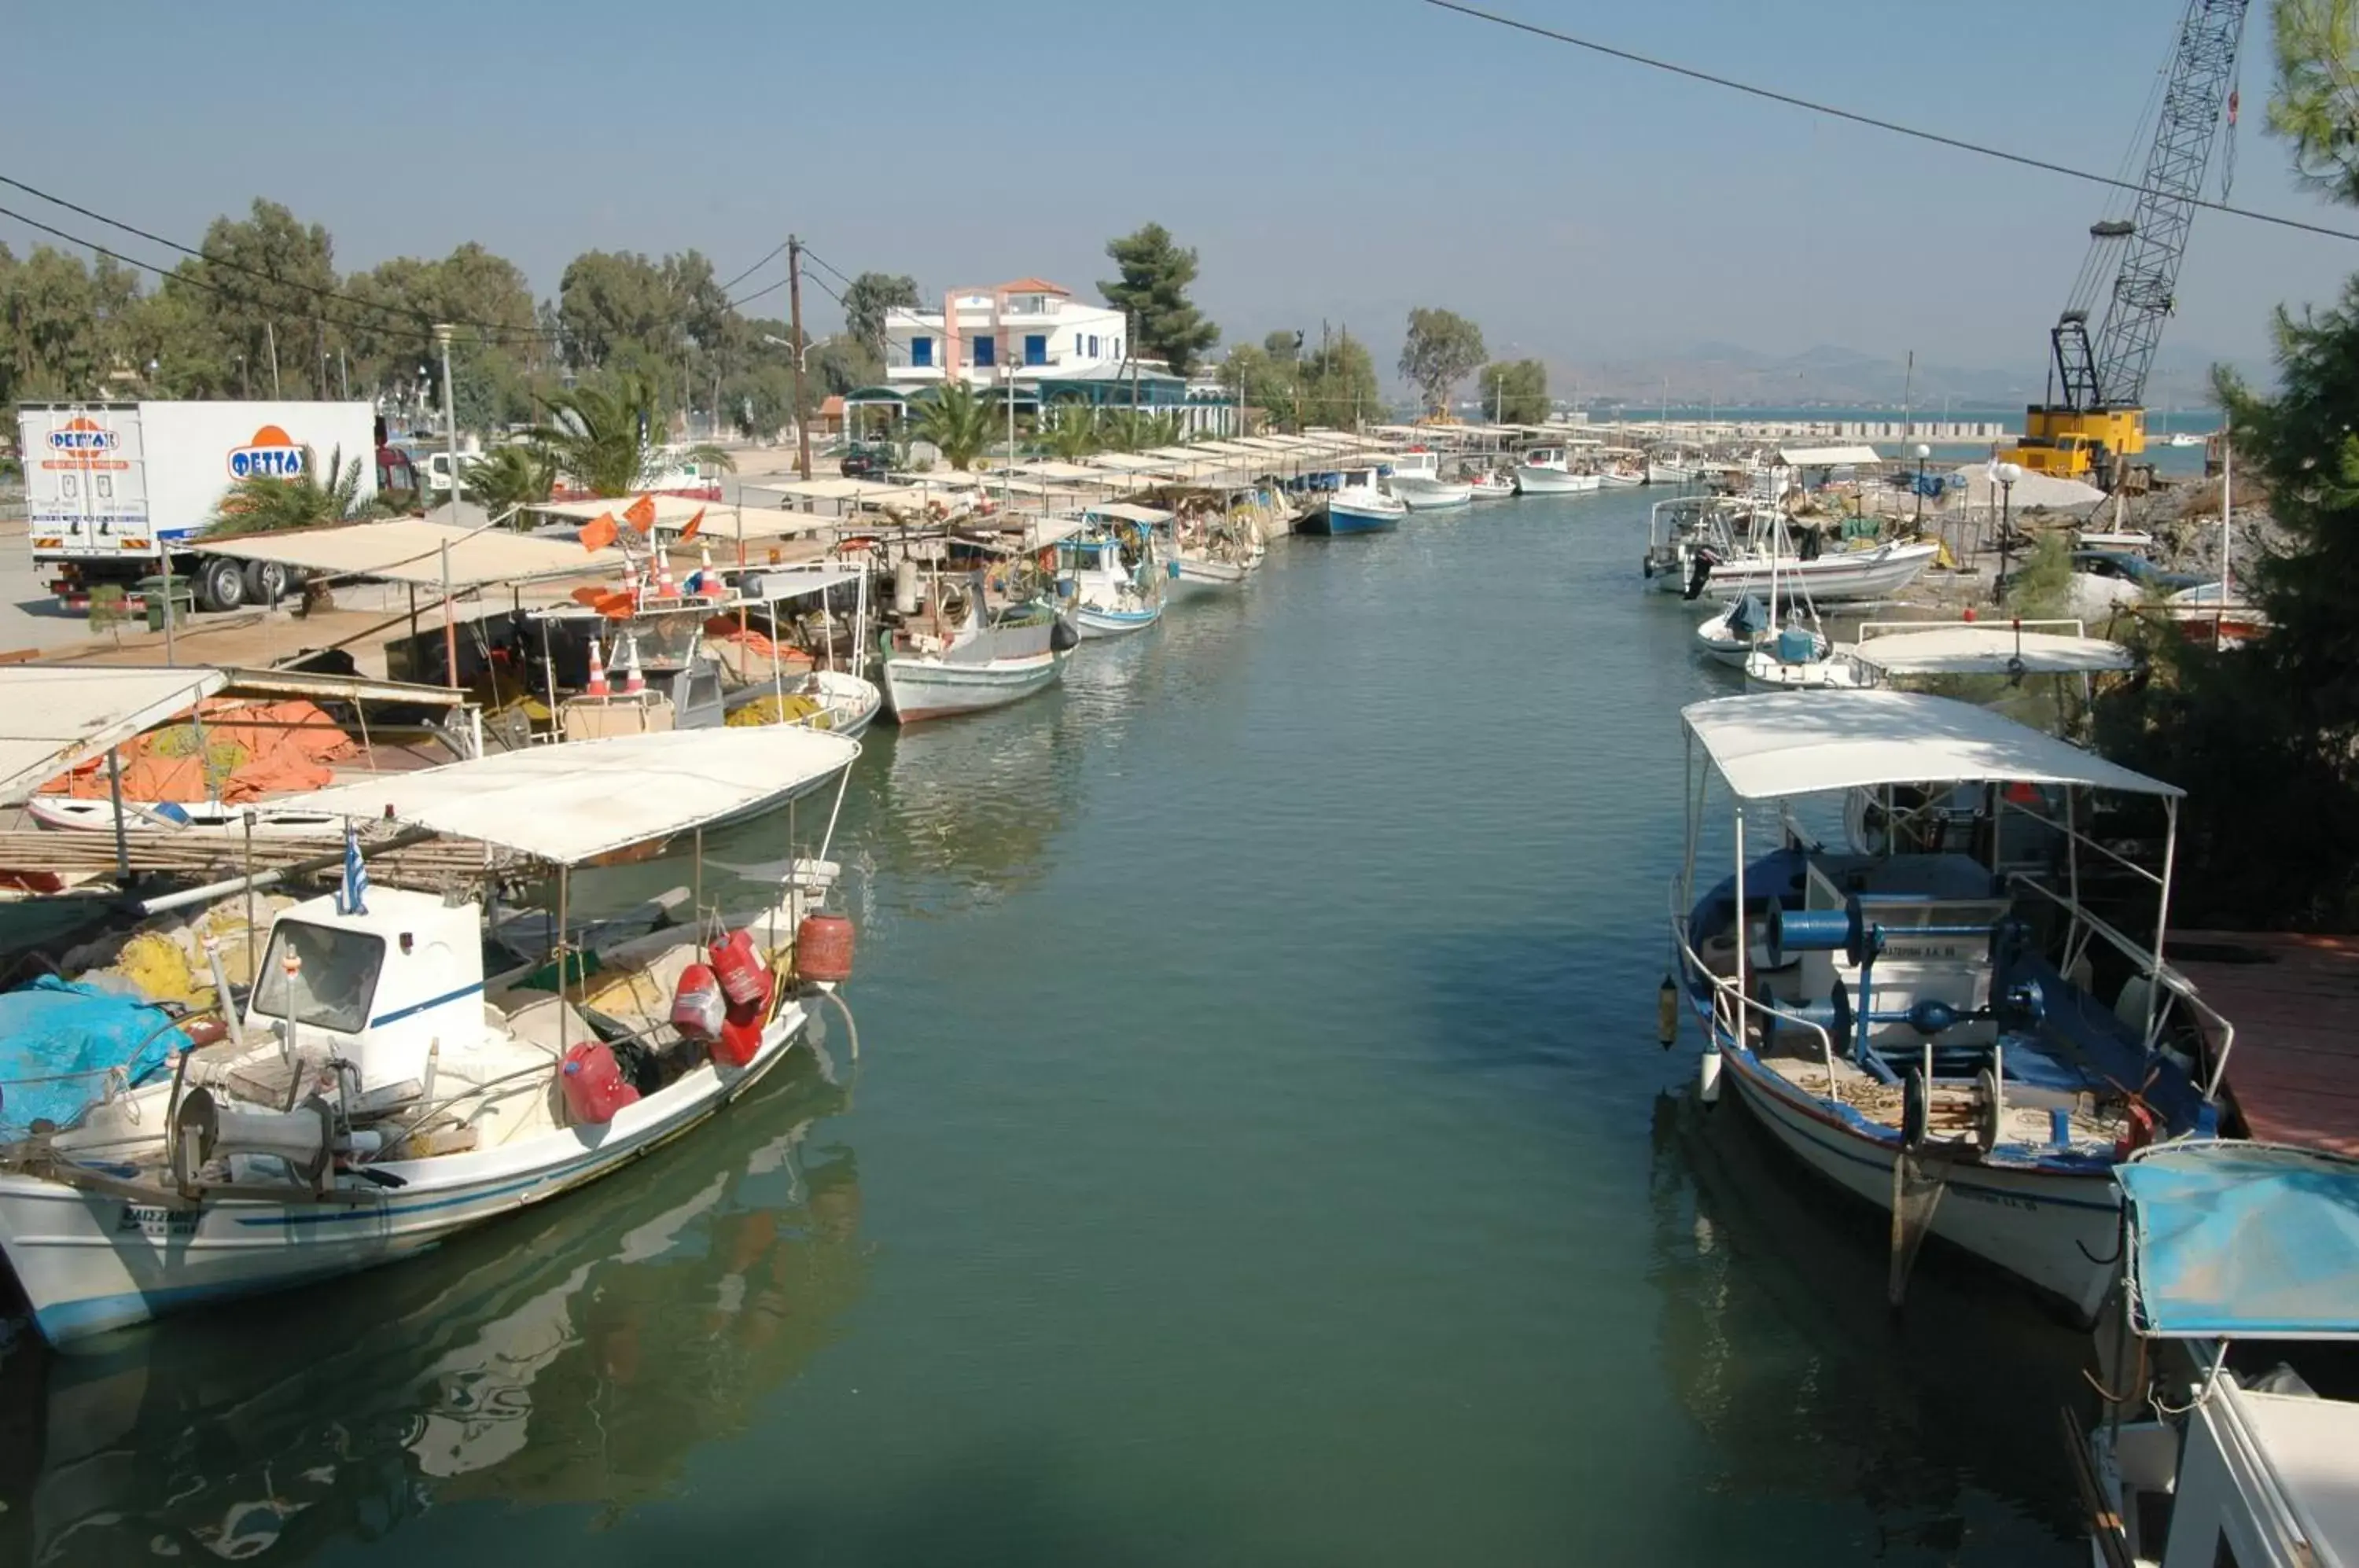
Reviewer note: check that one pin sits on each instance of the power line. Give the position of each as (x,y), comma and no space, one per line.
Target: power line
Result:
(829,265)
(1957,143)
(509,332)
(752,270)
(771,289)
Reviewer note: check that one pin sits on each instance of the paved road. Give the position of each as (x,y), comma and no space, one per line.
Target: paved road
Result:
(30,618)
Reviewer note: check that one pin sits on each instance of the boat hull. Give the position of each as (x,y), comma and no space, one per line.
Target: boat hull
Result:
(1349,518)
(1199,573)
(1556,482)
(1505,492)
(91,1262)
(2056,1231)
(1432,494)
(918,690)
(1093,623)
(1842,578)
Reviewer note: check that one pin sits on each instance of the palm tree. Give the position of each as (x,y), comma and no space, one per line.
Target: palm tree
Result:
(1136,430)
(266,504)
(958,424)
(1071,431)
(598,435)
(510,476)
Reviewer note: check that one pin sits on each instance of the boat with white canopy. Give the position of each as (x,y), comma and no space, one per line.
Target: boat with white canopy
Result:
(1548,471)
(1417,479)
(1721,548)
(1933,1019)
(377,1091)
(2235,1435)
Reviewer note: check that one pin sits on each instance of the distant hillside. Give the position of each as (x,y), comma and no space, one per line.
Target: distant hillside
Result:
(1731,375)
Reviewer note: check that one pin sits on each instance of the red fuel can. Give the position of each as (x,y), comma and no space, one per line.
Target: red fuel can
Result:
(594,1086)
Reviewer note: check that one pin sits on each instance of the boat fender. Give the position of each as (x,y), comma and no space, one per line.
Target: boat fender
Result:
(698,1007)
(595,1089)
(1708,1077)
(823,947)
(1666,1012)
(744,978)
(1916,1110)
(1062,637)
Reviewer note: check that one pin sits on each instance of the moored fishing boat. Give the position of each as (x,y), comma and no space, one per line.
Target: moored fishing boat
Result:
(1109,580)
(1417,479)
(1721,548)
(1546,471)
(1491,486)
(1886,1010)
(955,655)
(379,1091)
(1360,503)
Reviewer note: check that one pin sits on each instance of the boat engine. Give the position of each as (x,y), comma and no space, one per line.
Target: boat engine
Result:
(205,1128)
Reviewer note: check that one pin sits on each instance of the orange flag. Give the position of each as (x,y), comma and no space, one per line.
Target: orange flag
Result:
(641,514)
(599,532)
(694,523)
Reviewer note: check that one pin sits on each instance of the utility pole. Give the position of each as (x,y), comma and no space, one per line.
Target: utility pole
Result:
(270,335)
(795,309)
(451,437)
(320,336)
(1130,342)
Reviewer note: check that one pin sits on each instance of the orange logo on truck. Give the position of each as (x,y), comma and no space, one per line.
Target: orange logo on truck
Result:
(272,451)
(81,442)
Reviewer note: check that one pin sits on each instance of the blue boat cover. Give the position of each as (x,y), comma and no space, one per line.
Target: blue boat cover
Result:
(56,1041)
(2243,1240)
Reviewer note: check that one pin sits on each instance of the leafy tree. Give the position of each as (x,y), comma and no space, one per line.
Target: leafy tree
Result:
(1514,392)
(600,433)
(258,285)
(1339,383)
(618,305)
(268,504)
(1153,291)
(1136,430)
(2318,91)
(1442,350)
(959,423)
(1269,376)
(518,474)
(1071,431)
(865,301)
(759,399)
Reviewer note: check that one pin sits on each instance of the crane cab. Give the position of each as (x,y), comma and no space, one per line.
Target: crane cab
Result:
(2080,443)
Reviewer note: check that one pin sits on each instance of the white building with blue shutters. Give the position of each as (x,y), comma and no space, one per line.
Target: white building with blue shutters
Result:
(1032,325)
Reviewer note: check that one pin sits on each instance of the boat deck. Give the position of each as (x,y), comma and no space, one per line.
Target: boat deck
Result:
(2293,1077)
(1879,1102)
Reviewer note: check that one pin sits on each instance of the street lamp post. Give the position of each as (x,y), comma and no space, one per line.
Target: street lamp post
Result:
(2008,473)
(1921,452)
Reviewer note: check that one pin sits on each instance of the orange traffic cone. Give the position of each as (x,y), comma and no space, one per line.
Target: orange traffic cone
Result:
(634,682)
(664,587)
(631,578)
(598,687)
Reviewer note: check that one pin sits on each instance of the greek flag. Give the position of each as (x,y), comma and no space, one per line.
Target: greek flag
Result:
(352,901)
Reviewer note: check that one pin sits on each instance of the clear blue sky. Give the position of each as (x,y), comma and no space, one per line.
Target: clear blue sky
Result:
(1336,159)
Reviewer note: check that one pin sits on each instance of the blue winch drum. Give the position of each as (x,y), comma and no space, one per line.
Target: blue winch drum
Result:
(1813,930)
(1832,1015)
(1796,645)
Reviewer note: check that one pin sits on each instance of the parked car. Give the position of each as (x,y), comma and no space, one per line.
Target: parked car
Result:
(867,463)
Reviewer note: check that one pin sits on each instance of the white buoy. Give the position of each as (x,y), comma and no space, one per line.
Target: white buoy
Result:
(904,587)
(1707,1078)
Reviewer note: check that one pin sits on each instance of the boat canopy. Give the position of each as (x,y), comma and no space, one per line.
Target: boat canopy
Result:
(569,803)
(1124,511)
(2242,1240)
(1828,456)
(1992,650)
(412,550)
(1804,743)
(59,717)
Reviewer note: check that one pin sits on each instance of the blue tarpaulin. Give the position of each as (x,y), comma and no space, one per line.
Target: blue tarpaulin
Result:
(2243,1240)
(56,1041)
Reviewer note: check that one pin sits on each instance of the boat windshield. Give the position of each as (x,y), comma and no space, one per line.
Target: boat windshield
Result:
(335,983)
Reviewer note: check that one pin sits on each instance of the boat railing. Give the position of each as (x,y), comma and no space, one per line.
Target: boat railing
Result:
(2177,988)
(1729,1003)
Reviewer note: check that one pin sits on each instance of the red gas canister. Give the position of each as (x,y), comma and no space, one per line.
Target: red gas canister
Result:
(698,1008)
(595,1085)
(823,947)
(744,978)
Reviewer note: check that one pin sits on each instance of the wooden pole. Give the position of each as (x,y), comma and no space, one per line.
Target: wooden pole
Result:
(795,312)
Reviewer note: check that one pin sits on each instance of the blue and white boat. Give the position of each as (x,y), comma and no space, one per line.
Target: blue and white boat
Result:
(1916,1013)
(1361,503)
(1109,580)
(2236,1439)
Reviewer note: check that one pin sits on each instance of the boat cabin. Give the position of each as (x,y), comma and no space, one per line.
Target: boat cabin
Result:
(380,988)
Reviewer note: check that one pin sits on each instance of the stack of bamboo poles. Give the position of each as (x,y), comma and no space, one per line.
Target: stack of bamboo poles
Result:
(204,855)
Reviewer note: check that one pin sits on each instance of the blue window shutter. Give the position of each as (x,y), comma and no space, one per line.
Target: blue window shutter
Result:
(921,351)
(985,351)
(1036,349)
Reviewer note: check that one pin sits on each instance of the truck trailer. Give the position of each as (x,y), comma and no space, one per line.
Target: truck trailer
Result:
(115,492)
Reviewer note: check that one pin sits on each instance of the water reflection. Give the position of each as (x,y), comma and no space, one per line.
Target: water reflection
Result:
(1940,1420)
(966,809)
(576,1354)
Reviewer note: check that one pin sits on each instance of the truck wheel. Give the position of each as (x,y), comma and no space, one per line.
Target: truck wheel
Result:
(267,581)
(221,585)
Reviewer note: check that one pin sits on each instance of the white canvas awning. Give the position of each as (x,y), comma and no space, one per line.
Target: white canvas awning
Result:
(1127,513)
(1804,743)
(1827,456)
(861,491)
(54,718)
(671,511)
(1992,650)
(409,550)
(569,802)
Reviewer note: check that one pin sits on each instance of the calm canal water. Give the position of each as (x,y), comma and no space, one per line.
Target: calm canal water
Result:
(1261,1154)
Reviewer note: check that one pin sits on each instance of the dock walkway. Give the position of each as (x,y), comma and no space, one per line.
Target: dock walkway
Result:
(2293,1077)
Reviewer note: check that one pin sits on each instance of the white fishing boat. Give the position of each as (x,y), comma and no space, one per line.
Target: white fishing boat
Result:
(957,657)
(1109,581)
(379,1092)
(1620,467)
(1218,549)
(1360,503)
(1546,471)
(1730,635)
(181,818)
(1416,478)
(1887,1011)
(1721,548)
(2235,1436)
(1490,486)
(1674,465)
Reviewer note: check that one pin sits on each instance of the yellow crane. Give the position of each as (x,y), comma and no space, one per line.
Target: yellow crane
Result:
(2093,420)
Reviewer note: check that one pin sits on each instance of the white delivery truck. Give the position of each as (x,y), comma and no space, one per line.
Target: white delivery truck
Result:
(113,491)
